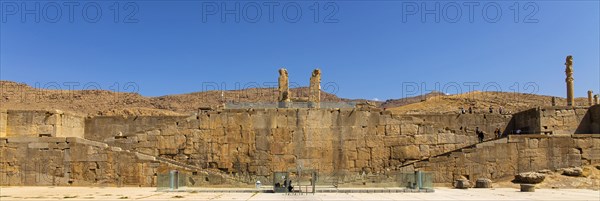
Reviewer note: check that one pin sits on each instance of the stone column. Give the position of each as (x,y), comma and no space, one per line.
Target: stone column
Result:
(590,100)
(553,101)
(569,80)
(314,90)
(596,99)
(284,90)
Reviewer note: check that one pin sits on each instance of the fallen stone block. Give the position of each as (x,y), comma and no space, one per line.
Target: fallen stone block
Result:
(574,172)
(483,183)
(529,178)
(462,184)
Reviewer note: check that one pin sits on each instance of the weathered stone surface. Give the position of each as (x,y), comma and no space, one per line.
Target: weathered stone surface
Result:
(569,80)
(314,95)
(259,141)
(171,142)
(410,152)
(529,178)
(284,91)
(527,188)
(545,171)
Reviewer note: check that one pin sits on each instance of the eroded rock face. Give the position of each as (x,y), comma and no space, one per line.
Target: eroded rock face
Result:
(529,178)
(574,172)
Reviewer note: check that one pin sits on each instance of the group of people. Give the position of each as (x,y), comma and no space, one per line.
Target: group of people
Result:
(491,110)
(287,183)
(481,134)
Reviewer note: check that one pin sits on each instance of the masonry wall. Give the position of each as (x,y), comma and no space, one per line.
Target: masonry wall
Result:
(565,120)
(258,142)
(556,120)
(71,161)
(520,153)
(32,123)
(3,123)
(528,121)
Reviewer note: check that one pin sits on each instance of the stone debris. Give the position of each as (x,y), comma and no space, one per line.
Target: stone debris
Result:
(529,178)
(483,183)
(462,183)
(574,172)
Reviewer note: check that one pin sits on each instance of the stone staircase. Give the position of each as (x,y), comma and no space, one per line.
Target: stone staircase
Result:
(465,149)
(168,161)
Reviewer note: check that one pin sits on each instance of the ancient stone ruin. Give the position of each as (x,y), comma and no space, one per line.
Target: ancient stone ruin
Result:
(314,94)
(284,90)
(569,80)
(344,145)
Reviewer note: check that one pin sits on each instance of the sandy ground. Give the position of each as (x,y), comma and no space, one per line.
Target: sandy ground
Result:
(134,193)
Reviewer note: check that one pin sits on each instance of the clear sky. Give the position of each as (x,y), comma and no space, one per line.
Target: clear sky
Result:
(365,49)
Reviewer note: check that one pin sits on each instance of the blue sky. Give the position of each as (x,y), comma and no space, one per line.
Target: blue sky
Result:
(365,49)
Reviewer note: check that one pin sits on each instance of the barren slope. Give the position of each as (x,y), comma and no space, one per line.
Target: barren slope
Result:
(480,103)
(101,102)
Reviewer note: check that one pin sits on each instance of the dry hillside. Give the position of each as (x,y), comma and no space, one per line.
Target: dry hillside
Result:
(480,102)
(391,103)
(101,102)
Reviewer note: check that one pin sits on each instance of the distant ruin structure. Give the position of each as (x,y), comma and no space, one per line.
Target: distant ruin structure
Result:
(314,91)
(569,80)
(590,98)
(596,99)
(284,88)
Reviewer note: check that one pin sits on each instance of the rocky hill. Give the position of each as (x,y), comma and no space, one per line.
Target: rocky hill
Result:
(391,103)
(480,102)
(101,102)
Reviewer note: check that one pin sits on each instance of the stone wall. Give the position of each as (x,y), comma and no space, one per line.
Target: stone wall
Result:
(506,157)
(33,123)
(564,120)
(3,123)
(260,141)
(594,114)
(256,142)
(527,121)
(556,120)
(71,161)
(102,128)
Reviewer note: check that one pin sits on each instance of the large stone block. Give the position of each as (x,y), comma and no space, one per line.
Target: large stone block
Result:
(446,138)
(410,129)
(171,142)
(409,152)
(426,139)
(364,154)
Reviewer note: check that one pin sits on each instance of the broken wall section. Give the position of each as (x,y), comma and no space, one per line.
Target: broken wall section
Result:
(37,123)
